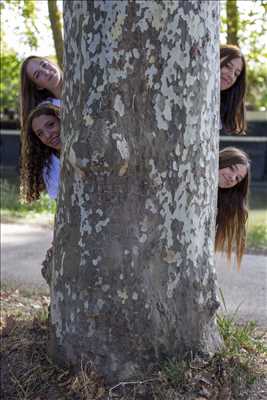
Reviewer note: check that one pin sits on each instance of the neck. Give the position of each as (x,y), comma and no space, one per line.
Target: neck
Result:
(56,152)
(57,91)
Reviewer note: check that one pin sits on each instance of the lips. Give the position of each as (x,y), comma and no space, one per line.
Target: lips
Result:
(226,81)
(55,141)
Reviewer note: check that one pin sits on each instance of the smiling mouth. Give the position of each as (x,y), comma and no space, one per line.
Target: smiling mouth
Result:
(226,81)
(55,141)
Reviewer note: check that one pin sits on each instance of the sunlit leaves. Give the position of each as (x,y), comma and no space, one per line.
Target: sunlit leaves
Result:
(27,10)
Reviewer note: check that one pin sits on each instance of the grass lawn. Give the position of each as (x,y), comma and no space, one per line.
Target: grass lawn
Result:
(12,209)
(257,229)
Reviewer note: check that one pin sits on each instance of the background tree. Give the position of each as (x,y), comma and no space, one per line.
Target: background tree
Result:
(27,9)
(232,22)
(56,26)
(247,21)
(132,278)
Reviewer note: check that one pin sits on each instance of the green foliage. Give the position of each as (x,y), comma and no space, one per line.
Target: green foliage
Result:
(9,82)
(11,206)
(27,10)
(257,86)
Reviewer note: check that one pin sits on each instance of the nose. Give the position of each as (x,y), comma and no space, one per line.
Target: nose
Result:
(233,178)
(231,74)
(47,135)
(44,70)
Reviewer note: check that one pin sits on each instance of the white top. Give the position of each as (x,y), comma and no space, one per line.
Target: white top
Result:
(55,102)
(51,176)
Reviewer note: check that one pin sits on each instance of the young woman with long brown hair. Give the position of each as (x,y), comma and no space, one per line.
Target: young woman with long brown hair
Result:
(232,212)
(40,80)
(40,150)
(233,90)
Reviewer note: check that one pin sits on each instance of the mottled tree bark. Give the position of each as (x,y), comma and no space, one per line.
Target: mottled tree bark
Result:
(133,276)
(55,21)
(232,19)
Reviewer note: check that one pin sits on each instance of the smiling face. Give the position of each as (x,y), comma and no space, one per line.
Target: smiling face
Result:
(47,129)
(44,74)
(231,176)
(230,72)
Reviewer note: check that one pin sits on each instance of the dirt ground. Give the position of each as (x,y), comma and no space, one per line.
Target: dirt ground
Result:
(27,372)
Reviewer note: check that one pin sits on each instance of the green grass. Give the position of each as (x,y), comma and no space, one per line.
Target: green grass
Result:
(243,345)
(257,229)
(12,207)
(175,372)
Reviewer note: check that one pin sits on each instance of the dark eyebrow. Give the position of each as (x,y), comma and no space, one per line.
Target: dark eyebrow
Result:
(48,122)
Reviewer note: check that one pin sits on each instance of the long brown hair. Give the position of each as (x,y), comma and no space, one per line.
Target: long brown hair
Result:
(35,155)
(232,107)
(30,95)
(232,205)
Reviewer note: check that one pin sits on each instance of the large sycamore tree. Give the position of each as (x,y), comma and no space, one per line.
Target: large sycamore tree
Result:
(133,279)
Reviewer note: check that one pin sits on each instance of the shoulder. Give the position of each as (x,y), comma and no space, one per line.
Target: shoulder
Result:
(56,102)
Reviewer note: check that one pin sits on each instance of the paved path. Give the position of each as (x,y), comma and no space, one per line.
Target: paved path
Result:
(24,248)
(245,290)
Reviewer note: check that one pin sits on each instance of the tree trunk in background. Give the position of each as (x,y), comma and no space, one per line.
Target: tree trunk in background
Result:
(55,21)
(133,276)
(232,18)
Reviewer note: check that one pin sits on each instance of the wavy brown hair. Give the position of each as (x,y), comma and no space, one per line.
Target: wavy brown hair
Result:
(35,155)
(232,108)
(232,210)
(30,95)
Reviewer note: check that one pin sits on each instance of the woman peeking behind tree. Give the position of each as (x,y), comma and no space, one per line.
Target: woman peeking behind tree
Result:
(232,211)
(233,90)
(40,152)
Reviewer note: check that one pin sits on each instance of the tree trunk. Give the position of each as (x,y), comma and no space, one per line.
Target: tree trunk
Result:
(133,276)
(56,27)
(232,19)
